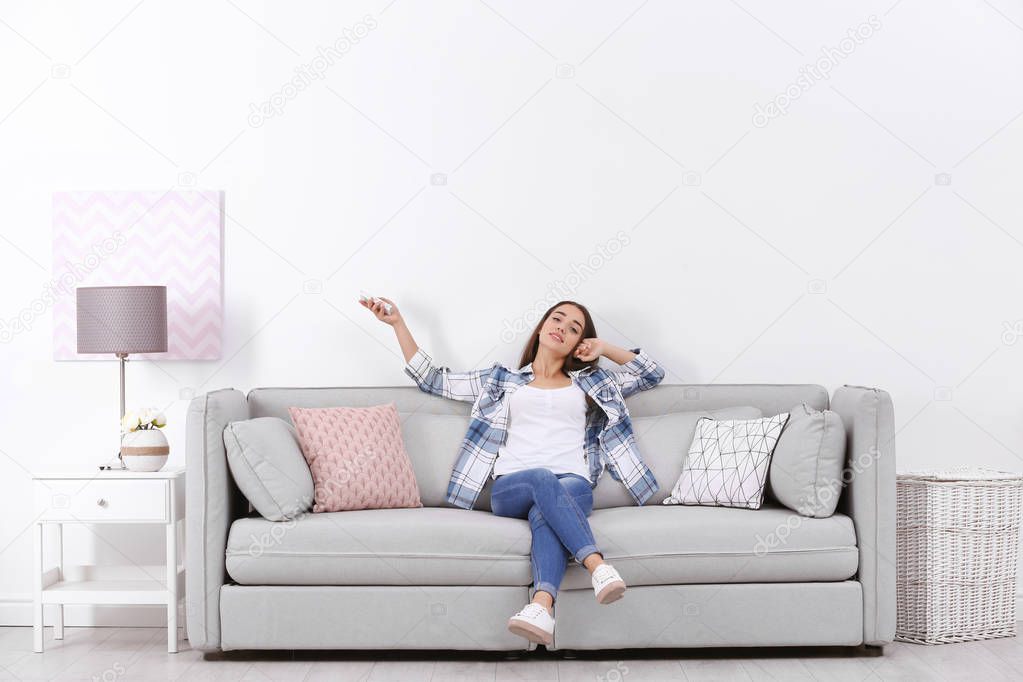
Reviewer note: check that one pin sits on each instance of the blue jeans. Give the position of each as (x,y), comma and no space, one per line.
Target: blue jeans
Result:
(557,506)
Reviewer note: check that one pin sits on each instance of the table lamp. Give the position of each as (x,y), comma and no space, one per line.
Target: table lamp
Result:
(122,320)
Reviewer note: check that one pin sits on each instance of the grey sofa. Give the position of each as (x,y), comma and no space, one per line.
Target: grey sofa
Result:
(440,577)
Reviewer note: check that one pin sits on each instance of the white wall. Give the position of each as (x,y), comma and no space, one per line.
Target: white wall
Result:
(815,246)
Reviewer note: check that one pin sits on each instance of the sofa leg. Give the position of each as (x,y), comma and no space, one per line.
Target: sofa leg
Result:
(873,649)
(513,655)
(568,654)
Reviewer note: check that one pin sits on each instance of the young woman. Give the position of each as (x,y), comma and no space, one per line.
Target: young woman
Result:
(544,434)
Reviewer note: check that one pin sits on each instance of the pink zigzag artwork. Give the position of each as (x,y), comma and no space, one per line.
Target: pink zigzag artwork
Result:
(173,238)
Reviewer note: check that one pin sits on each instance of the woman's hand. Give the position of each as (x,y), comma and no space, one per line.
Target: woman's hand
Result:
(378,310)
(589,349)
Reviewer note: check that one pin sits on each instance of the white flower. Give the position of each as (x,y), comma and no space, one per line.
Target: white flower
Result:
(149,416)
(160,419)
(130,421)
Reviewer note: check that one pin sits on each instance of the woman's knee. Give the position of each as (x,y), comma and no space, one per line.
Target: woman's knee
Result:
(582,494)
(535,517)
(502,503)
(585,503)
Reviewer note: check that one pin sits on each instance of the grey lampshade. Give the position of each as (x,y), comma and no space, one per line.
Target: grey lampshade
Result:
(122,319)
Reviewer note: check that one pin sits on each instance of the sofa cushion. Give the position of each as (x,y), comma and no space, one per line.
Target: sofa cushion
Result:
(406,546)
(268,466)
(433,442)
(663,441)
(649,545)
(677,544)
(806,469)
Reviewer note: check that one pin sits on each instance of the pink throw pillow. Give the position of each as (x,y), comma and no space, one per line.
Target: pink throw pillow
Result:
(357,457)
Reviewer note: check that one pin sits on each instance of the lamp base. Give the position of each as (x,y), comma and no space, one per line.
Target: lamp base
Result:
(114,464)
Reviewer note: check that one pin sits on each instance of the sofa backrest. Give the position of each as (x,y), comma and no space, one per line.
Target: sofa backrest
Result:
(433,427)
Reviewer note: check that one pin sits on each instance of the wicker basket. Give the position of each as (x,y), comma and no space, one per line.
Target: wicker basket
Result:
(957,536)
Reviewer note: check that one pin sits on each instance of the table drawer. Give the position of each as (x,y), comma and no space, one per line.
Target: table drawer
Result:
(123,501)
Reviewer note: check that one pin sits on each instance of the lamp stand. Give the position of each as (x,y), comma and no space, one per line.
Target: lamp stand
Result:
(123,357)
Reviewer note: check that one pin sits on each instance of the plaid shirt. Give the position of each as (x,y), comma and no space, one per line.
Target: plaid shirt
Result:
(609,439)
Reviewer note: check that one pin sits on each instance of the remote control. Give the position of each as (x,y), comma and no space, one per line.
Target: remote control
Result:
(364,297)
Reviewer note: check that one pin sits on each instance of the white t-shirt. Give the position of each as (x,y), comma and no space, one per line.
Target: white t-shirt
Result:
(546,428)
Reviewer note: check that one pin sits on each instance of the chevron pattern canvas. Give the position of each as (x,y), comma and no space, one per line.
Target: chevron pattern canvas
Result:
(164,237)
(728,462)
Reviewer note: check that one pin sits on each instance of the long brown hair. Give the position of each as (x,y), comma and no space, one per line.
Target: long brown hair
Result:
(572,363)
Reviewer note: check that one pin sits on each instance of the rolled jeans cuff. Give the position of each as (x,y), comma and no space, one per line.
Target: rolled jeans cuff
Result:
(585,552)
(544,586)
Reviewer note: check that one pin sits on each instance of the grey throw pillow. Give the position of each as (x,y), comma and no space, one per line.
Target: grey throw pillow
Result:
(267,463)
(806,470)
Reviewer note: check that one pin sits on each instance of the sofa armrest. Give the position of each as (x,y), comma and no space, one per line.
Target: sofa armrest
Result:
(869,499)
(213,503)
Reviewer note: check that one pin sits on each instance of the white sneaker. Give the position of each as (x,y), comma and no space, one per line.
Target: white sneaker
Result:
(534,623)
(607,584)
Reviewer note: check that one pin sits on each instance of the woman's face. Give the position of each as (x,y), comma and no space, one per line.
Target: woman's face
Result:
(562,330)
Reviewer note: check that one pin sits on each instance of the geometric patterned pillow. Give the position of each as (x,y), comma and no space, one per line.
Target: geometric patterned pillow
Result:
(728,462)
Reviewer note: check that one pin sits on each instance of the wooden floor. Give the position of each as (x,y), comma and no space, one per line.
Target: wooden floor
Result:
(123,654)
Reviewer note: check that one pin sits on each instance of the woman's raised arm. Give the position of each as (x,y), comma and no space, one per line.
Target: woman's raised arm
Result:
(397,322)
(639,371)
(441,381)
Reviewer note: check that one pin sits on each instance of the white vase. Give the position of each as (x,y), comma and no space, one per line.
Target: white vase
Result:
(144,450)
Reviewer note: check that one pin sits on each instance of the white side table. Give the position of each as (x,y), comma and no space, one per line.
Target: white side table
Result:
(107,497)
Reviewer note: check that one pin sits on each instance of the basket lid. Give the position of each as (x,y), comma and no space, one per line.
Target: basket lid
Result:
(960,473)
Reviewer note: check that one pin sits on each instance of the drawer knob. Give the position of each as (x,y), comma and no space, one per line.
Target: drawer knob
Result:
(101,502)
